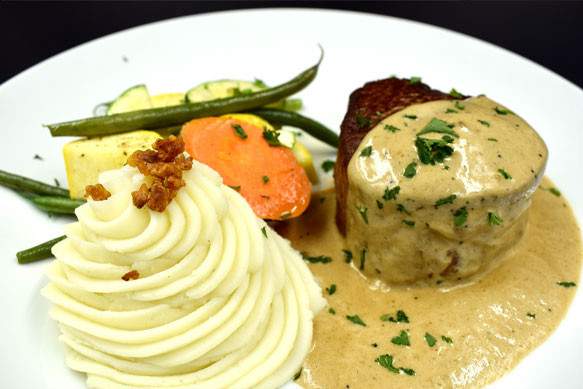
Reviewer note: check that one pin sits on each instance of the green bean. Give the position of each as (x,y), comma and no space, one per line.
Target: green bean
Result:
(36,253)
(155,118)
(21,183)
(286,118)
(58,205)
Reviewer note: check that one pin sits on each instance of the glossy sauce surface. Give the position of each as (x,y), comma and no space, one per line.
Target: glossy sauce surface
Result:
(493,321)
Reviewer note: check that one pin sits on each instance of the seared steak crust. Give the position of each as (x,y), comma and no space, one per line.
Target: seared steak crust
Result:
(367,106)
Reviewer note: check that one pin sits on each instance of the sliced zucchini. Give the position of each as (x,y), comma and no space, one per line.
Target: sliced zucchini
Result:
(135,98)
(167,100)
(221,89)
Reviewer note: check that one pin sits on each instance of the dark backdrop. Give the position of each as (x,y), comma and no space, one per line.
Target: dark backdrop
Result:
(550,33)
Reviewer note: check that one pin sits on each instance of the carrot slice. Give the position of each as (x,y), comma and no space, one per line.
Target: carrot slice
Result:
(269,178)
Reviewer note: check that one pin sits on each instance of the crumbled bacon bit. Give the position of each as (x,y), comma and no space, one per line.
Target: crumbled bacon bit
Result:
(164,166)
(131,275)
(97,192)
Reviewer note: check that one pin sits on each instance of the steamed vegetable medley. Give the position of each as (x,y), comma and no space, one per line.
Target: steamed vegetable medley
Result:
(233,126)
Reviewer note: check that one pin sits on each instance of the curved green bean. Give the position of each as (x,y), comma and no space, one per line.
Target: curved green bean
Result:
(21,183)
(36,253)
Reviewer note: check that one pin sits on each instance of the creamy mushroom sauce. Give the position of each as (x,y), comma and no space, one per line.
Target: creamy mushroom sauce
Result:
(493,321)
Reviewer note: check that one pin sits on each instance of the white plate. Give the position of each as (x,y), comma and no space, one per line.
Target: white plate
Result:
(273,45)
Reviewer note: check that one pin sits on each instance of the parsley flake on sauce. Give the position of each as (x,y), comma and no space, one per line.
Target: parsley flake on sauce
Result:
(259,83)
(391,128)
(503,111)
(366,152)
(566,284)
(460,217)
(459,106)
(331,311)
(531,315)
(316,259)
(402,339)
(386,361)
(438,126)
(493,139)
(484,123)
(265,179)
(356,320)
(445,200)
(363,213)
(409,223)
(401,208)
(450,110)
(432,151)
(362,121)
(505,174)
(494,219)
(264,231)
(347,256)
(415,80)
(331,289)
(447,339)
(362,258)
(412,117)
(328,165)
(410,170)
(380,204)
(391,194)
(555,191)
(400,317)
(430,339)
(455,94)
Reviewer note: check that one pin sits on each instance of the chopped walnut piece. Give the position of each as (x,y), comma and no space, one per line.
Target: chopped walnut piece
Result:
(164,166)
(131,275)
(97,192)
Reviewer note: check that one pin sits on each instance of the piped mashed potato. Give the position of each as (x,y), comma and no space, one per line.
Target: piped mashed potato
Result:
(220,299)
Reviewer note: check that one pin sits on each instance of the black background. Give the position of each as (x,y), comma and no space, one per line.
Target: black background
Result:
(550,33)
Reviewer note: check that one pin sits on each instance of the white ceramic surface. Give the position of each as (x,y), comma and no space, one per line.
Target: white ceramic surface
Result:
(272,45)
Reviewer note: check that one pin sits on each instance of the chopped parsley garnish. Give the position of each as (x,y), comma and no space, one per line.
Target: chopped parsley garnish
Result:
(331,289)
(566,284)
(484,123)
(450,110)
(412,117)
(391,194)
(362,121)
(366,151)
(316,259)
(332,311)
(239,131)
(363,213)
(259,83)
(242,92)
(328,165)
(235,187)
(380,204)
(409,223)
(504,174)
(494,219)
(265,179)
(430,339)
(455,94)
(415,80)
(531,315)
(264,231)
(432,151)
(400,317)
(410,170)
(401,208)
(386,361)
(445,200)
(502,111)
(447,339)
(460,217)
(356,320)
(459,106)
(347,256)
(391,128)
(272,137)
(555,191)
(362,258)
(493,139)
(402,339)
